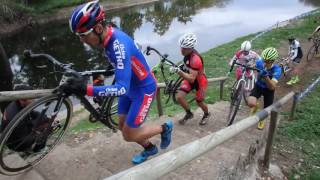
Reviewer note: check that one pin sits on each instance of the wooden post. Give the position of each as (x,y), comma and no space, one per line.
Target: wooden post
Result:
(221,89)
(159,106)
(293,107)
(272,130)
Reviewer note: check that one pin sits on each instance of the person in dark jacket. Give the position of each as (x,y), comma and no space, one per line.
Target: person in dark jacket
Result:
(6,76)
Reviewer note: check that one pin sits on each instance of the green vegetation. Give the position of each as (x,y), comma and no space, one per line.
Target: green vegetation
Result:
(304,133)
(85,125)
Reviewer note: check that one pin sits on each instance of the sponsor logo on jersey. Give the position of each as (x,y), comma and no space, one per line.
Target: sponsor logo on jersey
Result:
(119,51)
(144,108)
(138,68)
(112,91)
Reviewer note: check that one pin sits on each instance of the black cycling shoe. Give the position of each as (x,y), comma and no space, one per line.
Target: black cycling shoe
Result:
(188,115)
(204,119)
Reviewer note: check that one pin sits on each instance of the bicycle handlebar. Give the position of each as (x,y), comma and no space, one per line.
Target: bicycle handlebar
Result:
(164,57)
(30,54)
(65,67)
(245,66)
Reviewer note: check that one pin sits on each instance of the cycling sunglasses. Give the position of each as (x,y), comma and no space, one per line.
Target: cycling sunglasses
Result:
(84,33)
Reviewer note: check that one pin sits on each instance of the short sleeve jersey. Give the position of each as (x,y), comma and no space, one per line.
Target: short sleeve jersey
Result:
(195,62)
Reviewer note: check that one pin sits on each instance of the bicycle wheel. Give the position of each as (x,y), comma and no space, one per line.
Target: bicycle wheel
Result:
(112,112)
(43,124)
(312,52)
(175,88)
(236,96)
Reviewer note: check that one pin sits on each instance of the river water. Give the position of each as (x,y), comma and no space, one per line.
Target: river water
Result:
(158,24)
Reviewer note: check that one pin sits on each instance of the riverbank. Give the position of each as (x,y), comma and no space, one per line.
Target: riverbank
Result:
(61,14)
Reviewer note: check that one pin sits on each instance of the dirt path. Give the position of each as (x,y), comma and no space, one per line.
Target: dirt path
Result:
(103,153)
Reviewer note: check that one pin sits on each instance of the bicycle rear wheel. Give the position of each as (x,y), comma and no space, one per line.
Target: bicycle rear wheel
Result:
(43,124)
(312,52)
(236,97)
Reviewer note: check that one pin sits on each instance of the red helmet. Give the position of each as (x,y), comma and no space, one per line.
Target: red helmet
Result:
(85,17)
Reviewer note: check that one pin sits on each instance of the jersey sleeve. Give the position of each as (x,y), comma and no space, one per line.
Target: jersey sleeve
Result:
(121,51)
(276,74)
(196,63)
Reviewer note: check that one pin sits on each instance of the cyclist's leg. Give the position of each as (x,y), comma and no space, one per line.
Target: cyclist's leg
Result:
(238,72)
(254,96)
(132,129)
(200,95)
(124,103)
(184,89)
(268,97)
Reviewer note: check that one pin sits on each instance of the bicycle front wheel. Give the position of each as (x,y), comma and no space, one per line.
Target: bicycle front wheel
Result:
(175,89)
(312,52)
(111,112)
(236,97)
(33,133)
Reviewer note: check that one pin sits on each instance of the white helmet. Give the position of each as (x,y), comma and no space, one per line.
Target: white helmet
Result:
(246,46)
(188,40)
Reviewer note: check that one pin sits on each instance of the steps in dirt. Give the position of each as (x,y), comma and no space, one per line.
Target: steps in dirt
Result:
(105,154)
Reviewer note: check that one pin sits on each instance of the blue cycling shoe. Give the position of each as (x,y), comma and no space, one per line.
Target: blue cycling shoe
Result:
(166,135)
(143,156)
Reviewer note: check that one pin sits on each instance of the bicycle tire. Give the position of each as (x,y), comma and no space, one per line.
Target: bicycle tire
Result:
(55,135)
(111,112)
(236,97)
(175,89)
(312,51)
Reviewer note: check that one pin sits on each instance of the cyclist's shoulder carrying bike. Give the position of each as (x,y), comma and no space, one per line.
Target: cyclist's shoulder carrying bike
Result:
(57,109)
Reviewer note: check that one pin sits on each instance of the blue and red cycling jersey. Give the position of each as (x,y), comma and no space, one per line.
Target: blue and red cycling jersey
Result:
(131,68)
(274,73)
(134,83)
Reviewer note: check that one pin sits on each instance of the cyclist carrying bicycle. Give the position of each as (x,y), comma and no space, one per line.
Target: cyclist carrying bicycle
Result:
(244,56)
(295,54)
(134,83)
(194,78)
(268,78)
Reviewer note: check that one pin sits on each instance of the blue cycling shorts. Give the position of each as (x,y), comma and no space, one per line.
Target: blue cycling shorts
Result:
(136,105)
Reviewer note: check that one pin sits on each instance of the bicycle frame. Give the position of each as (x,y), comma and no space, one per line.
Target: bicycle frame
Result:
(248,80)
(171,85)
(67,69)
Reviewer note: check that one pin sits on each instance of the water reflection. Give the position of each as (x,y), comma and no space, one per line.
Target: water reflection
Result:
(159,24)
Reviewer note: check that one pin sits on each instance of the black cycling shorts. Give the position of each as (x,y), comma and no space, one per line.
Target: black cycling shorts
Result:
(268,95)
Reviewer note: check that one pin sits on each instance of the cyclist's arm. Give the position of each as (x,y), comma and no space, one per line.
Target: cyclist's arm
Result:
(271,83)
(122,78)
(191,76)
(234,58)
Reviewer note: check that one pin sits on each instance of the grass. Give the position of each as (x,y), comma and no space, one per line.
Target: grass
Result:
(304,134)
(85,125)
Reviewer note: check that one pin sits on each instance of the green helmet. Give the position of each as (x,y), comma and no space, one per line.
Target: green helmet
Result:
(270,54)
